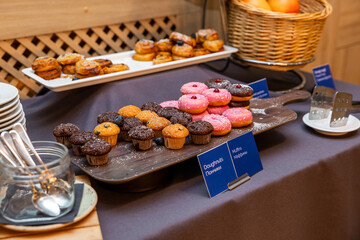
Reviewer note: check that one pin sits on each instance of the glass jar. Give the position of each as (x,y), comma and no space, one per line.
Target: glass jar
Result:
(38,193)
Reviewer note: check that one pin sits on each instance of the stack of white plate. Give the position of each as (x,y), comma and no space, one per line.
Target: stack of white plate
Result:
(11,110)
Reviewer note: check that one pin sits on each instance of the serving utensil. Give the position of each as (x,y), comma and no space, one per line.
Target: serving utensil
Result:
(321,102)
(343,105)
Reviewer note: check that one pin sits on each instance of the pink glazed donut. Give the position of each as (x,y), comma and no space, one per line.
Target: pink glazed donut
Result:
(193,88)
(217,96)
(239,117)
(193,103)
(196,117)
(217,109)
(220,123)
(171,103)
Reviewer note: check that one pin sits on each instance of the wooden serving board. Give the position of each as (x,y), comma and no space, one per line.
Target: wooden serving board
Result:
(126,164)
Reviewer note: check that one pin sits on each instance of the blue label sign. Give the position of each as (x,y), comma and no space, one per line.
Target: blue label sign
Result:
(217,169)
(245,154)
(260,88)
(323,76)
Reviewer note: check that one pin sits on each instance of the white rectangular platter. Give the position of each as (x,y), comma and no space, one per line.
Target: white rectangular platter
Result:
(137,68)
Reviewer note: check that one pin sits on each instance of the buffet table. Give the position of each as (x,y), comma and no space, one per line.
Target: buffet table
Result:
(309,188)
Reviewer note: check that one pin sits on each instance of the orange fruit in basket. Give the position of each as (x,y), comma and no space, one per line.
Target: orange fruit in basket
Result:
(258,3)
(285,6)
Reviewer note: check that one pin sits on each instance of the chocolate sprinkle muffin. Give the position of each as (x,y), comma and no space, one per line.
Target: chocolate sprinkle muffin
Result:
(200,131)
(217,83)
(142,137)
(182,118)
(168,112)
(152,106)
(78,139)
(96,151)
(63,132)
(129,123)
(107,117)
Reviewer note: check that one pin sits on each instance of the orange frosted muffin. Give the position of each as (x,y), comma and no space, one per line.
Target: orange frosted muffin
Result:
(129,111)
(157,124)
(107,131)
(174,136)
(146,115)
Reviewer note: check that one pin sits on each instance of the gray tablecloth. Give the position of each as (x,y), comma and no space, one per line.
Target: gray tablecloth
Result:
(309,188)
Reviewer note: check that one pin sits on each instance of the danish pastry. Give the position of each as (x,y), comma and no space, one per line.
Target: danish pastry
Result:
(144,46)
(48,75)
(78,75)
(70,58)
(162,57)
(103,62)
(88,67)
(144,57)
(214,45)
(69,69)
(43,64)
(164,45)
(115,68)
(176,36)
(206,34)
(182,49)
(176,57)
(198,51)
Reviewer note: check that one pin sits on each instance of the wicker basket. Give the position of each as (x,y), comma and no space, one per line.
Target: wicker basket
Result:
(273,40)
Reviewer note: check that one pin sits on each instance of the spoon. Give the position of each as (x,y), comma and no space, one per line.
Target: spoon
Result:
(41,201)
(57,188)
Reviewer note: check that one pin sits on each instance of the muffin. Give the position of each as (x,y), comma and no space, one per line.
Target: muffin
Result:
(107,117)
(152,106)
(168,112)
(182,118)
(129,123)
(107,131)
(142,137)
(63,132)
(129,111)
(200,131)
(174,136)
(157,124)
(146,115)
(78,139)
(96,151)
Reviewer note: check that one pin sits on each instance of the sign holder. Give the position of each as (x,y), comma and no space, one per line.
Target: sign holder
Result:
(237,182)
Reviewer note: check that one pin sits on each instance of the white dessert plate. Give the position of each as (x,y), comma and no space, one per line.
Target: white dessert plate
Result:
(323,126)
(10,104)
(22,120)
(137,68)
(7,93)
(14,120)
(13,114)
(10,110)
(88,203)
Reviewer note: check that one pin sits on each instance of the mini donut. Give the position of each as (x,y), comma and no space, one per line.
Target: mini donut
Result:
(176,36)
(193,88)
(214,45)
(199,51)
(164,45)
(87,67)
(115,68)
(144,57)
(217,97)
(242,104)
(70,58)
(206,34)
(69,69)
(145,46)
(217,83)
(199,116)
(170,103)
(240,92)
(193,103)
(103,62)
(217,109)
(182,49)
(48,75)
(162,57)
(221,124)
(43,64)
(176,57)
(239,117)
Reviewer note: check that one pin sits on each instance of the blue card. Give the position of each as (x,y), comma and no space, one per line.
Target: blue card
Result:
(217,169)
(323,76)
(245,154)
(260,88)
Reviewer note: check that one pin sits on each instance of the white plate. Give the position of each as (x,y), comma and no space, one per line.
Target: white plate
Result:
(323,125)
(88,203)
(10,110)
(10,104)
(7,93)
(22,120)
(137,68)
(11,122)
(13,114)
